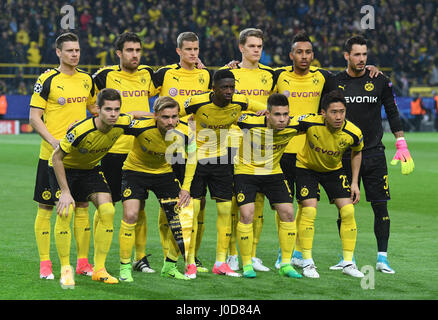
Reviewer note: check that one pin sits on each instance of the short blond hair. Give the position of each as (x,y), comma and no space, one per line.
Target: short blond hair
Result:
(164,102)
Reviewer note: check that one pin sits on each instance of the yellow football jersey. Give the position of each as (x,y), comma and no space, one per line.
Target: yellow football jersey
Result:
(85,145)
(261,148)
(153,153)
(213,122)
(180,84)
(304,95)
(323,150)
(135,90)
(257,84)
(64,99)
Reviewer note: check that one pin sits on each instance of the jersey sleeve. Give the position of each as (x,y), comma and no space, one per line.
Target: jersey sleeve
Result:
(158,80)
(255,106)
(41,91)
(390,106)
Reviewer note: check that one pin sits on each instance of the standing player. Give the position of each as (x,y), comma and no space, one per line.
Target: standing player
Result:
(75,173)
(328,136)
(257,170)
(303,85)
(61,97)
(214,113)
(134,82)
(365,96)
(147,168)
(257,82)
(180,81)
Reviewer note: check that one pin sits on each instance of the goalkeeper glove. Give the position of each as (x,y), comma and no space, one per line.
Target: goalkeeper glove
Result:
(403,155)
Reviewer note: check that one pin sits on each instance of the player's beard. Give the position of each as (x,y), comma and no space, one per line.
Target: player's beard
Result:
(129,66)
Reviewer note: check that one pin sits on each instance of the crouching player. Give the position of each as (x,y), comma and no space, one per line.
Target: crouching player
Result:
(328,136)
(149,167)
(257,170)
(75,172)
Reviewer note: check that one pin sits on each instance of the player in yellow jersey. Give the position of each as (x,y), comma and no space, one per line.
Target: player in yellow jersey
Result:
(257,82)
(134,82)
(304,85)
(75,175)
(180,81)
(61,96)
(214,113)
(148,167)
(328,136)
(257,170)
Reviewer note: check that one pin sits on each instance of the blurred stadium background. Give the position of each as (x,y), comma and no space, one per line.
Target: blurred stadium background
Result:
(404,42)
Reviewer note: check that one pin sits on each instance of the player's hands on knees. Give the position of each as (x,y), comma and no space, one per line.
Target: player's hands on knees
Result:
(403,156)
(184,198)
(355,193)
(65,201)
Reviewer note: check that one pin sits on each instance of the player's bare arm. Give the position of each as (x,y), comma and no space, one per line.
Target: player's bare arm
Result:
(356,159)
(35,120)
(65,199)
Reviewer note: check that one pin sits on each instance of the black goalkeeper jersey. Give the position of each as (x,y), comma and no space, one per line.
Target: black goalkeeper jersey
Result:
(365,97)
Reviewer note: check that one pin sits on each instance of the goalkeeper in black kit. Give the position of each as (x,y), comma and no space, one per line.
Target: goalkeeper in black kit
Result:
(365,96)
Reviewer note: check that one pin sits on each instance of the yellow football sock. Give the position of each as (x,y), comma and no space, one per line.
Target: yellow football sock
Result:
(193,237)
(348,231)
(126,241)
(306,231)
(82,232)
(63,237)
(164,230)
(245,234)
(42,233)
(258,221)
(140,235)
(95,221)
(223,226)
(298,219)
(201,229)
(287,233)
(104,234)
(232,249)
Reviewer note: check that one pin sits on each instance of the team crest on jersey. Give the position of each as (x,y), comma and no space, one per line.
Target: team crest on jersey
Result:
(369,86)
(264,80)
(143,80)
(342,144)
(201,79)
(315,81)
(37,88)
(86,84)
(240,197)
(304,191)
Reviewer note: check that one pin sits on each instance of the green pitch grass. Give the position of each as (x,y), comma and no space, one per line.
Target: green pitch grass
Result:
(412,247)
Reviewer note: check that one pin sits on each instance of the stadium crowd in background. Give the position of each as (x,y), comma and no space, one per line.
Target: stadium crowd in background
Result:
(404,38)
